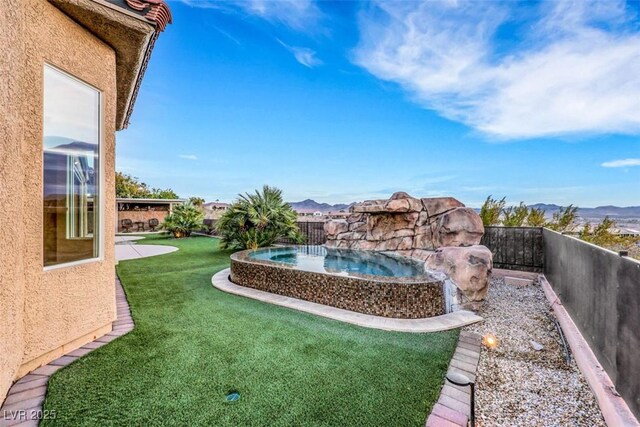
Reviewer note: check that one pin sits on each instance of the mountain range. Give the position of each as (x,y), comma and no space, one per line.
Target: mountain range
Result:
(597,212)
(310,204)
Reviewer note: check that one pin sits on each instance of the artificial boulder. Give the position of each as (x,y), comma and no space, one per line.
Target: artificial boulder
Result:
(335,227)
(435,206)
(468,267)
(431,222)
(386,226)
(438,230)
(459,227)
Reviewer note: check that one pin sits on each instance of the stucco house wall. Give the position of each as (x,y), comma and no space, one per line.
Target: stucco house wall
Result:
(11,198)
(44,314)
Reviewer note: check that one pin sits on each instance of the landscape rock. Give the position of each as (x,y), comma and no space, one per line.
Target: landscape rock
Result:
(351,235)
(435,206)
(369,206)
(459,227)
(395,244)
(468,267)
(423,219)
(406,253)
(364,245)
(536,345)
(421,254)
(358,226)
(405,232)
(353,218)
(439,231)
(344,244)
(402,202)
(332,243)
(335,227)
(423,238)
(382,225)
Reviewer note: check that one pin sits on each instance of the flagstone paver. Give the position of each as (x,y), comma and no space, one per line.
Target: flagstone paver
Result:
(23,405)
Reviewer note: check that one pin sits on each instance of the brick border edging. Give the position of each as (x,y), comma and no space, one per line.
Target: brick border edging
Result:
(23,404)
(453,407)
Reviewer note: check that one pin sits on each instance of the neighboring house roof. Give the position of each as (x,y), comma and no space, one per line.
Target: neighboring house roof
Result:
(215,205)
(131,28)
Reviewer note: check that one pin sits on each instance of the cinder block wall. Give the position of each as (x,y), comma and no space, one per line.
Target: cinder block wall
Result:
(600,291)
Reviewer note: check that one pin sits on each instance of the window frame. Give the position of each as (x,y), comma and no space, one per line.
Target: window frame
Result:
(100,208)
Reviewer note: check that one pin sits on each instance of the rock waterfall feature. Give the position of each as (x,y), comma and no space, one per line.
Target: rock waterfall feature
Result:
(440,231)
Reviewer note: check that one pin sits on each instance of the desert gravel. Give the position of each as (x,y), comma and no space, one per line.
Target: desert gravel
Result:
(518,385)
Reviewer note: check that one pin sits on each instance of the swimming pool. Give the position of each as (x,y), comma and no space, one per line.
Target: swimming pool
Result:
(367,282)
(341,261)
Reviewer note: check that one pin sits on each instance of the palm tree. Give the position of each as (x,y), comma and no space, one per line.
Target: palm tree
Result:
(258,220)
(183,220)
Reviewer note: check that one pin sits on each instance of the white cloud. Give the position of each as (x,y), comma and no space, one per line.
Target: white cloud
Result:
(621,163)
(303,55)
(575,69)
(306,56)
(188,156)
(297,14)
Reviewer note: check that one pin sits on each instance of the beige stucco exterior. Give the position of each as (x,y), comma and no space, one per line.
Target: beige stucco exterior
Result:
(46,313)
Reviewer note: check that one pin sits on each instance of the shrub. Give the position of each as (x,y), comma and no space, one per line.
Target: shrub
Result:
(514,216)
(564,219)
(536,218)
(491,210)
(258,220)
(183,220)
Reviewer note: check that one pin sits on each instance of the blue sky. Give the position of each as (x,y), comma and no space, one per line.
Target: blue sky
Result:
(345,101)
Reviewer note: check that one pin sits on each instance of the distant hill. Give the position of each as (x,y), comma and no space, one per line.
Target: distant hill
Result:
(597,212)
(549,209)
(315,206)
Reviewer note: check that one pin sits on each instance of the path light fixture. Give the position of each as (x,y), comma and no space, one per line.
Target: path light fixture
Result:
(490,341)
(461,380)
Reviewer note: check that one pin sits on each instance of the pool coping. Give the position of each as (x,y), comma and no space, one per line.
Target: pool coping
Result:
(443,322)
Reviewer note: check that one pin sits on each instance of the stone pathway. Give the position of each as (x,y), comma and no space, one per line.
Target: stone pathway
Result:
(124,239)
(454,405)
(23,405)
(432,324)
(127,248)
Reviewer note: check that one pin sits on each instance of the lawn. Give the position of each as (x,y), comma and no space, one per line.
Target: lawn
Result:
(193,344)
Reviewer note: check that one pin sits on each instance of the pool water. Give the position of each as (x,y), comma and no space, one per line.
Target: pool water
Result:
(341,261)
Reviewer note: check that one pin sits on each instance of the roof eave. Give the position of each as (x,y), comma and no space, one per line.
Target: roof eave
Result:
(131,28)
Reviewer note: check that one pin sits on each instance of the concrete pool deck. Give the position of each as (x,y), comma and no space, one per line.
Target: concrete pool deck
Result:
(444,322)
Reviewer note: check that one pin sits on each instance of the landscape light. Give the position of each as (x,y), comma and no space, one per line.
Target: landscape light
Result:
(462,380)
(490,341)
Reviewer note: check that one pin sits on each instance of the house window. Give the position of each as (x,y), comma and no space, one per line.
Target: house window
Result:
(71,145)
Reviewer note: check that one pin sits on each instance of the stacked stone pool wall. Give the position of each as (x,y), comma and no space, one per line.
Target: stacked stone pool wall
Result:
(404,298)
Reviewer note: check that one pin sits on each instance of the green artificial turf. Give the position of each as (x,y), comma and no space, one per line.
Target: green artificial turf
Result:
(192,344)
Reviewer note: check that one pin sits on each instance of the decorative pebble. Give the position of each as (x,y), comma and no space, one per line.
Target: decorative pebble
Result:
(536,345)
(518,385)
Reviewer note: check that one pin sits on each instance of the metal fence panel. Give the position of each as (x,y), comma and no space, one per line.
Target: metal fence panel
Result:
(515,248)
(312,231)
